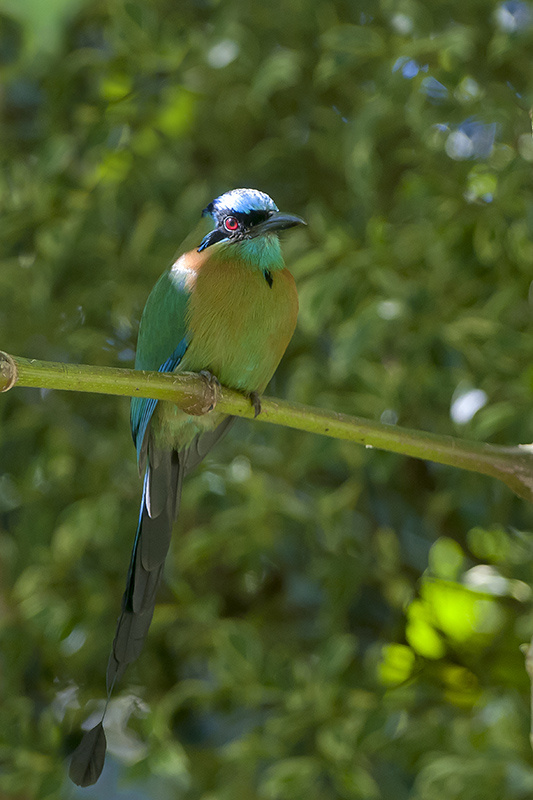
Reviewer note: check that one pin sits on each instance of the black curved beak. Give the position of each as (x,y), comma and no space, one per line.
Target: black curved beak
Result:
(277,221)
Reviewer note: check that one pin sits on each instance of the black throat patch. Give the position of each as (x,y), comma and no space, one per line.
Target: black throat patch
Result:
(268,277)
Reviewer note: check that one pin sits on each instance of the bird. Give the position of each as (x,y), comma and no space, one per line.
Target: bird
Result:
(226,308)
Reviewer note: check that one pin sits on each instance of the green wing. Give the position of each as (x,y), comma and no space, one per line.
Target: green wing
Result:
(161,345)
(163,336)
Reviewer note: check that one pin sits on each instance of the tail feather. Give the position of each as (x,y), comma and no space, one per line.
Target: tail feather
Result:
(160,503)
(203,443)
(163,492)
(159,507)
(146,585)
(150,549)
(132,630)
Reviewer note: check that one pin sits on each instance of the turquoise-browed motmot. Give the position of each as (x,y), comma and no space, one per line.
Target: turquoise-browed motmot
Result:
(227,308)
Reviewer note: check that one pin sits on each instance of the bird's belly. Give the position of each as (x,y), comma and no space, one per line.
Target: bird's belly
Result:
(174,428)
(240,325)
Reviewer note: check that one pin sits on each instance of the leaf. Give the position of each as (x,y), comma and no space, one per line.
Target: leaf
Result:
(88,758)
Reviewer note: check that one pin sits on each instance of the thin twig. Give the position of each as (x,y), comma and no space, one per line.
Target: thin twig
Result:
(512,465)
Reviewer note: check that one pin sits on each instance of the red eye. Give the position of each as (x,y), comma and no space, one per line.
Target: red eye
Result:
(231,223)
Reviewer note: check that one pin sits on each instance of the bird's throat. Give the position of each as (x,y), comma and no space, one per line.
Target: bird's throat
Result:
(262,254)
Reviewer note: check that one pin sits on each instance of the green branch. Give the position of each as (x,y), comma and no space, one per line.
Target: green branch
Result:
(512,465)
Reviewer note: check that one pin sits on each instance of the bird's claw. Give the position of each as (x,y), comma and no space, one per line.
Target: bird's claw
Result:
(211,379)
(255,399)
(197,404)
(214,385)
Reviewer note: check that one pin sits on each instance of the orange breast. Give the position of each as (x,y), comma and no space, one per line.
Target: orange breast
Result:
(240,325)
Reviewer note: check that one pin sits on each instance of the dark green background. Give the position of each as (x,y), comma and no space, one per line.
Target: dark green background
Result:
(335,622)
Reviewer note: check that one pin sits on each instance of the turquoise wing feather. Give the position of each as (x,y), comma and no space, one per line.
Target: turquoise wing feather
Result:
(161,345)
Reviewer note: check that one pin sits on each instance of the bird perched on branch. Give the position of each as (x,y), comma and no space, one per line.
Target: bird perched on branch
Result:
(226,308)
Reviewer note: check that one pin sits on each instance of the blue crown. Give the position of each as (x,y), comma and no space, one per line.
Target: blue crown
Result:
(239,201)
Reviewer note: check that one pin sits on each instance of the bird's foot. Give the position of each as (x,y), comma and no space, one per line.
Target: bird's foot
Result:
(214,385)
(255,399)
(195,404)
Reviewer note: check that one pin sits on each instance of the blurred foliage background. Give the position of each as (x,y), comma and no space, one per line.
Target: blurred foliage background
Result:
(335,622)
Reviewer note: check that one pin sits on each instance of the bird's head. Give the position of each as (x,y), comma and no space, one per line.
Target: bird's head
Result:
(244,215)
